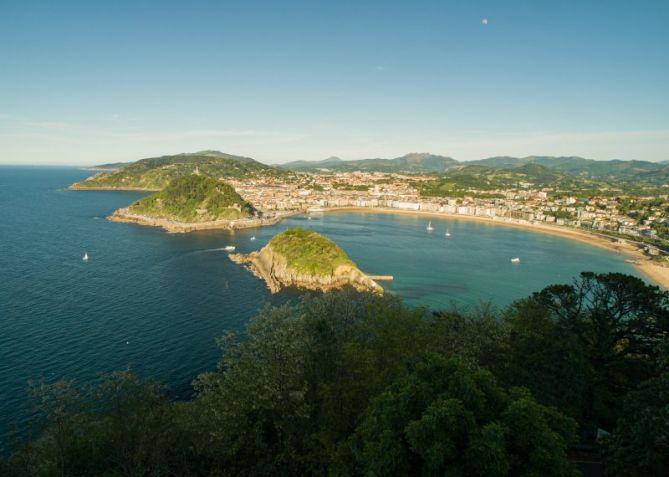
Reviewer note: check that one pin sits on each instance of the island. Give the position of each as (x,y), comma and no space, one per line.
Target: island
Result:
(305,259)
(191,203)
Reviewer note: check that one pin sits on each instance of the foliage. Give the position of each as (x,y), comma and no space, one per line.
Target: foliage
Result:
(588,343)
(120,427)
(360,384)
(309,252)
(449,418)
(639,445)
(194,199)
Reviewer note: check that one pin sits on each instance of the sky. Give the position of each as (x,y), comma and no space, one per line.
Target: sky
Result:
(89,82)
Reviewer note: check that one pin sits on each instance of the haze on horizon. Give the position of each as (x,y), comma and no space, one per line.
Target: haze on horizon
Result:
(87,83)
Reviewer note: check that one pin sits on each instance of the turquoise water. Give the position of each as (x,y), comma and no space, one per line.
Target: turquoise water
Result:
(156,301)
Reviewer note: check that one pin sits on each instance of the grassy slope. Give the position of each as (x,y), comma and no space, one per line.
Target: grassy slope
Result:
(309,252)
(182,198)
(157,172)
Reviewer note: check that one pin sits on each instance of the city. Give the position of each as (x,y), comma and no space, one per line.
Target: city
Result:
(642,219)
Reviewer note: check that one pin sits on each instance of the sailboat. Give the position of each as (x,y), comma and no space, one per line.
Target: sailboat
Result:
(447,234)
(85,257)
(429,227)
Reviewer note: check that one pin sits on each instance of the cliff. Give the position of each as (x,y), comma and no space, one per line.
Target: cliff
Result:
(305,259)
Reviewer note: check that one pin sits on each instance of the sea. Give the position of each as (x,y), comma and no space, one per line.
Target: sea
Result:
(156,302)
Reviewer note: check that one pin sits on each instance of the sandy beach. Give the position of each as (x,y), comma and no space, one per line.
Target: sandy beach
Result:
(657,274)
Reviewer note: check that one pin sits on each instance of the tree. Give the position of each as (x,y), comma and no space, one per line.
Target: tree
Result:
(253,412)
(451,417)
(639,446)
(619,322)
(544,357)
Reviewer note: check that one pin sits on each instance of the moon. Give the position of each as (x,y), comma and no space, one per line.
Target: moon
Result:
(484,21)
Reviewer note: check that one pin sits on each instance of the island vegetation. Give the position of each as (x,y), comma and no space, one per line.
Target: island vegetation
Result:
(156,172)
(361,384)
(194,198)
(191,203)
(305,259)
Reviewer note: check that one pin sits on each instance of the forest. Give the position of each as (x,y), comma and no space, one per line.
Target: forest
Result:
(359,384)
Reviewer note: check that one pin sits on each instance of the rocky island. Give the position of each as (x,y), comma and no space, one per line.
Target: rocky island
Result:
(305,259)
(193,202)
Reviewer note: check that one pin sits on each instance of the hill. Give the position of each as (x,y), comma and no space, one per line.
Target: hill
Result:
(194,199)
(191,203)
(156,172)
(329,163)
(414,163)
(459,181)
(305,259)
(614,170)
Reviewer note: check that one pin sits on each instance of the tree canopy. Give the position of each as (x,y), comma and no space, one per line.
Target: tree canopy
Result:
(360,384)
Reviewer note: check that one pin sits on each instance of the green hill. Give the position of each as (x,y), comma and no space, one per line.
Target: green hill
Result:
(615,170)
(194,199)
(309,252)
(460,180)
(156,172)
(414,163)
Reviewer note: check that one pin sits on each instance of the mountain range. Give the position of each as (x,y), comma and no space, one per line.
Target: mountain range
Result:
(413,162)
(612,170)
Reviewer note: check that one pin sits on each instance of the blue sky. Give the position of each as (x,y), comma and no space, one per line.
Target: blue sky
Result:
(97,81)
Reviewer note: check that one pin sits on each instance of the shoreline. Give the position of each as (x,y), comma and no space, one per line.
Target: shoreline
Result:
(173,226)
(657,274)
(273,270)
(73,187)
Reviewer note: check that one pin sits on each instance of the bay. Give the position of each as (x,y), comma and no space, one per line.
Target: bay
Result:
(156,301)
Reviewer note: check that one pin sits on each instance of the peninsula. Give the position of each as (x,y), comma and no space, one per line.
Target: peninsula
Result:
(193,203)
(155,173)
(305,259)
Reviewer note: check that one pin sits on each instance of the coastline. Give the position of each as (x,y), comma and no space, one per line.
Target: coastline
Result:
(173,226)
(657,274)
(273,269)
(74,187)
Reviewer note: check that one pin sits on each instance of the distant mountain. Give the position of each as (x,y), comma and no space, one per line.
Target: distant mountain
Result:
(461,179)
(328,163)
(156,172)
(414,162)
(614,170)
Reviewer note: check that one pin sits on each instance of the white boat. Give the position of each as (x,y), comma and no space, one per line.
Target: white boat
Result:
(85,257)
(253,238)
(429,227)
(515,260)
(447,234)
(229,248)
